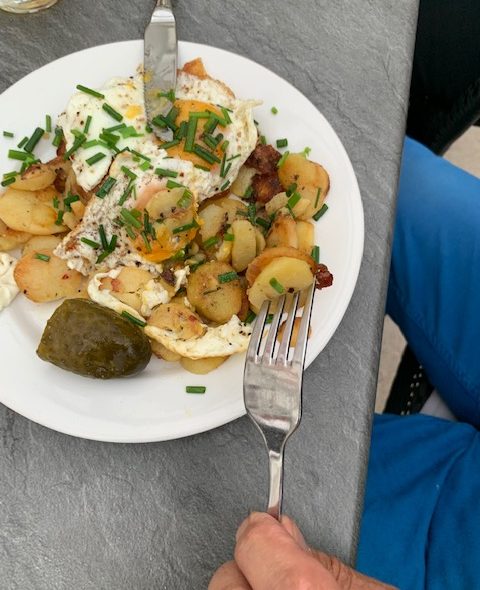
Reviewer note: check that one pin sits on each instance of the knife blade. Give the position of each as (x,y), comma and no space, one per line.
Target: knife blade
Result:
(160,65)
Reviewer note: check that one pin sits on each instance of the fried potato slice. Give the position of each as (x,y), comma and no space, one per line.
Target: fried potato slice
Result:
(127,286)
(26,211)
(47,280)
(243,181)
(269,254)
(177,318)
(214,300)
(202,366)
(232,208)
(39,243)
(311,180)
(283,232)
(162,352)
(291,274)
(212,219)
(36,177)
(244,246)
(10,238)
(305,236)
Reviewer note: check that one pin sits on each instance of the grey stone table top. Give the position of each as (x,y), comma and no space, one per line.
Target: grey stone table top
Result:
(86,515)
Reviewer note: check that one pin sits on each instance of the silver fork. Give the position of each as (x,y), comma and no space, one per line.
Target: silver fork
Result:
(272,385)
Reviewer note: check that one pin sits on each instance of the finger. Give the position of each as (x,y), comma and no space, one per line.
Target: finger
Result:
(229,577)
(269,557)
(346,577)
(290,526)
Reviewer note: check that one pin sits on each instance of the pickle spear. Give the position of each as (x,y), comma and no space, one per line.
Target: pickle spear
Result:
(88,339)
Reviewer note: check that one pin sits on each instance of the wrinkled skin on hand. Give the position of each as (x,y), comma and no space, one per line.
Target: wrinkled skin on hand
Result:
(272,555)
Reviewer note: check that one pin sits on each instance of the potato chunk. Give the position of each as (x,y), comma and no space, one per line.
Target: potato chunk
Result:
(289,274)
(10,238)
(202,366)
(311,180)
(214,300)
(244,247)
(269,254)
(283,232)
(177,318)
(36,177)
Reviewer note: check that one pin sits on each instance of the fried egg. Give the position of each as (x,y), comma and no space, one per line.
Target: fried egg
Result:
(224,340)
(221,137)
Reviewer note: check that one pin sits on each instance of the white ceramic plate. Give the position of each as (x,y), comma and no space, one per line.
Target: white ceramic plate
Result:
(153,406)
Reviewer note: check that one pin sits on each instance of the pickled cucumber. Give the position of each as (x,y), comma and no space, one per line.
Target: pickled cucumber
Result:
(88,339)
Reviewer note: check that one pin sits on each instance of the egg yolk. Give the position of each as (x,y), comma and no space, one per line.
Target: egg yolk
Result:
(185,107)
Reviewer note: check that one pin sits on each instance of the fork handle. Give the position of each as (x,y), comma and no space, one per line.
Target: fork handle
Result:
(276,483)
(164,4)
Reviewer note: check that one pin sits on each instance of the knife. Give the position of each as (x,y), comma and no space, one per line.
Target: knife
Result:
(160,65)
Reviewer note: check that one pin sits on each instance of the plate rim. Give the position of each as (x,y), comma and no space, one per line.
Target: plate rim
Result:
(210,421)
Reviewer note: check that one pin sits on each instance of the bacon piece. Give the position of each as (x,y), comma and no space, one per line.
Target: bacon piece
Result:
(264,159)
(266,186)
(323,277)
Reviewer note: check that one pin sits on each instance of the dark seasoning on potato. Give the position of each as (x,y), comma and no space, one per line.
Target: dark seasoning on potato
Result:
(252,241)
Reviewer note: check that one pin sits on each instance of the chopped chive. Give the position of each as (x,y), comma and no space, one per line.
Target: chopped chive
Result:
(274,110)
(34,139)
(148,129)
(252,212)
(282,159)
(168,144)
(133,319)
(227,277)
(269,318)
(112,112)
(113,243)
(202,167)
(8,181)
(263,223)
(233,157)
(183,228)
(130,232)
(180,255)
(173,184)
(248,192)
(59,219)
(170,95)
(226,116)
(263,140)
(293,200)
(126,194)
(209,141)
(228,237)
(210,125)
(95,158)
(165,172)
(148,246)
(55,202)
(306,151)
(93,143)
(145,166)
(87,90)
(8,134)
(79,141)
(114,128)
(291,189)
(181,132)
(102,256)
(317,198)
(224,169)
(87,124)
(211,242)
(279,288)
(130,218)
(250,317)
(103,237)
(320,212)
(22,143)
(91,243)
(57,140)
(225,145)
(185,200)
(48,123)
(194,267)
(281,143)
(128,173)
(109,138)
(135,153)
(163,121)
(315,254)
(106,187)
(195,389)
(43,257)
(16,155)
(69,200)
(225,185)
(191,131)
(202,114)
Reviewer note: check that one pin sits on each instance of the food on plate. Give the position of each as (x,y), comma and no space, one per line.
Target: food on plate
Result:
(164,245)
(90,340)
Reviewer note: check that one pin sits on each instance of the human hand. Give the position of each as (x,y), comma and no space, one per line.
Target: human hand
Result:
(272,555)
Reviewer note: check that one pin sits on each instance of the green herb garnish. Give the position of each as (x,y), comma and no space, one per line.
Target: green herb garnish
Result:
(112,112)
(128,173)
(315,254)
(91,243)
(183,228)
(43,257)
(281,143)
(320,212)
(195,389)
(227,277)
(282,159)
(279,288)
(34,139)
(274,110)
(8,134)
(95,158)
(167,173)
(87,90)
(211,242)
(106,187)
